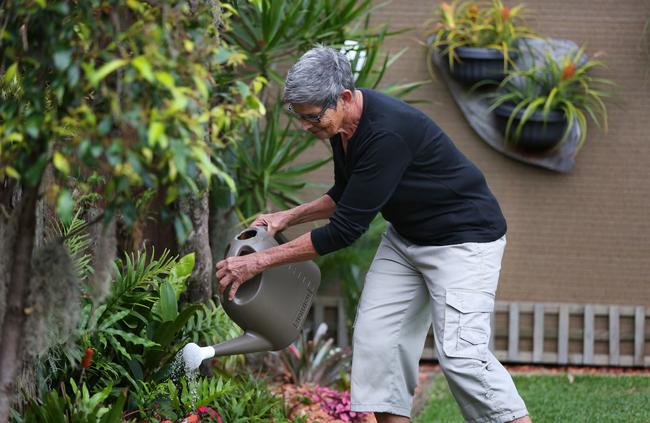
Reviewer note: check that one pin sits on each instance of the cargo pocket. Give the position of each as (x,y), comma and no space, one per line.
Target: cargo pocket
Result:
(467,323)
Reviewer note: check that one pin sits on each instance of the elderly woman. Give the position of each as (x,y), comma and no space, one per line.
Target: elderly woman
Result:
(439,259)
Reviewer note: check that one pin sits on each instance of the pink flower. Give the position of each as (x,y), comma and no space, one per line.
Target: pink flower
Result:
(294,351)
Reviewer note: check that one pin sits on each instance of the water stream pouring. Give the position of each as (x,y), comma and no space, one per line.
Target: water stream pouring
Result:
(270,308)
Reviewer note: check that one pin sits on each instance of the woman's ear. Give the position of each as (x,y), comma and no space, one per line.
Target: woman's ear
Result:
(347,96)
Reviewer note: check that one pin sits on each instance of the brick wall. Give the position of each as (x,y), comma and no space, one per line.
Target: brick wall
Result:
(582,237)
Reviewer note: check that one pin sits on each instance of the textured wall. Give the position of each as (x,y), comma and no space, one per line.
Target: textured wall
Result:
(581,237)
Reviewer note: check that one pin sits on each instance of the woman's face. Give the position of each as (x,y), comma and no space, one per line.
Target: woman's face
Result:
(322,122)
(325,122)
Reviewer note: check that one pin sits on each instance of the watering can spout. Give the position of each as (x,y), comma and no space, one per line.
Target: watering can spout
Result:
(249,342)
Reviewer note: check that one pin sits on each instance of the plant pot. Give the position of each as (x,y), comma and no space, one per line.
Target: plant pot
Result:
(476,64)
(537,134)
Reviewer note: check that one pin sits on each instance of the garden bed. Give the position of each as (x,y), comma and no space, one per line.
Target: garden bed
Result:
(319,404)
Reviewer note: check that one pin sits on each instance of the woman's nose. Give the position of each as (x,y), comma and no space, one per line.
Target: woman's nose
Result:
(305,124)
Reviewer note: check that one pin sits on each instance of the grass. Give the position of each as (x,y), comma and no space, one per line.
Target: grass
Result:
(555,399)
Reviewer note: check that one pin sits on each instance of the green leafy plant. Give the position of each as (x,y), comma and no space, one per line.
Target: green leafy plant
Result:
(135,333)
(137,328)
(478,24)
(78,407)
(142,93)
(235,399)
(566,85)
(315,360)
(210,325)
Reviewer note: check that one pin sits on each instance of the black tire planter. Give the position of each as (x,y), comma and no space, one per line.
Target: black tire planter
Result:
(537,134)
(476,64)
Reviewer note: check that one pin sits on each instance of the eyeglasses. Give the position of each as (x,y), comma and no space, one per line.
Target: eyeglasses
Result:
(313,118)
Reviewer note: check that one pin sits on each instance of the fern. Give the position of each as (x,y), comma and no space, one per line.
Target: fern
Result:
(75,236)
(209,325)
(236,399)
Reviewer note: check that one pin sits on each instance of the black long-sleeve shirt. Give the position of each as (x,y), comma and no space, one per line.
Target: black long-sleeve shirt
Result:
(400,163)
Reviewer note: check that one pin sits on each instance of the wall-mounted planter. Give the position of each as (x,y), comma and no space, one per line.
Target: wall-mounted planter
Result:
(537,134)
(476,64)
(476,108)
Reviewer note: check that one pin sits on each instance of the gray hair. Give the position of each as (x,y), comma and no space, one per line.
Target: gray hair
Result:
(318,78)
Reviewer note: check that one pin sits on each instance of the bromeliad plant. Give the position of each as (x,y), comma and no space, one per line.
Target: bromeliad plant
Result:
(315,361)
(478,24)
(566,85)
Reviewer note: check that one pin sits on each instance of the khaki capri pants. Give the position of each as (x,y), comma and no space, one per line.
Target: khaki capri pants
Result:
(406,287)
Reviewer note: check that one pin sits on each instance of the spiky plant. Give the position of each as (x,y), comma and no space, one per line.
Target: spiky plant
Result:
(566,85)
(315,360)
(478,24)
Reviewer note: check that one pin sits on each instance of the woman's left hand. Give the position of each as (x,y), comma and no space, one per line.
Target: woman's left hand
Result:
(236,270)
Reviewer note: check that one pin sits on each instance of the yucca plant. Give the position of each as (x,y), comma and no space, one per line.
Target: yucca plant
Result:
(273,32)
(264,165)
(567,86)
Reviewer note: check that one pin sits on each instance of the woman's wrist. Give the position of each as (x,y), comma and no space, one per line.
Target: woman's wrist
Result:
(293,216)
(262,261)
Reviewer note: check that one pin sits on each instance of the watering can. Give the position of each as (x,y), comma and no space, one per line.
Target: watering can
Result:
(270,308)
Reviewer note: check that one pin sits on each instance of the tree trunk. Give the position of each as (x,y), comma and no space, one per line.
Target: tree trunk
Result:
(104,252)
(224,225)
(198,242)
(13,324)
(8,225)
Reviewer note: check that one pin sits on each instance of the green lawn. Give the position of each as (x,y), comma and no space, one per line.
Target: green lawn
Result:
(552,398)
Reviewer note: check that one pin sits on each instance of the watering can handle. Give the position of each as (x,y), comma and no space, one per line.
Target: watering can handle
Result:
(239,246)
(279,236)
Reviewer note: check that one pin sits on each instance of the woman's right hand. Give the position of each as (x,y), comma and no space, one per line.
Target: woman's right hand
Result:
(274,222)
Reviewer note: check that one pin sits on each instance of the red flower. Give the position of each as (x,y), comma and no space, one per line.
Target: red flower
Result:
(88,358)
(209,411)
(568,71)
(505,13)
